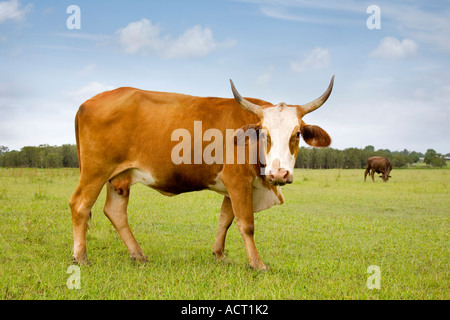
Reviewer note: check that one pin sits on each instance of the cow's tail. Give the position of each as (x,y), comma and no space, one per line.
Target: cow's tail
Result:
(77,137)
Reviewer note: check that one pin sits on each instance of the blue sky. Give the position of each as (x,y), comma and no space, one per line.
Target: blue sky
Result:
(391,88)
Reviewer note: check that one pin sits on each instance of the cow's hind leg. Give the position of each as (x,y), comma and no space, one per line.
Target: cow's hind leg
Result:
(116,211)
(225,219)
(81,203)
(366,172)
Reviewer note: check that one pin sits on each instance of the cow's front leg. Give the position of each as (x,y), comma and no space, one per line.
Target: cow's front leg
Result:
(241,195)
(225,219)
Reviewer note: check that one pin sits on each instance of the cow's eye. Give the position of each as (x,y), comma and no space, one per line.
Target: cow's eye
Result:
(298,135)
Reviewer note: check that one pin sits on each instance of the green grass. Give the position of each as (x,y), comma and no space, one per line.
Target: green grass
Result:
(318,245)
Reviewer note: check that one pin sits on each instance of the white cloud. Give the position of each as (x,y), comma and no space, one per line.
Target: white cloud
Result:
(426,26)
(144,38)
(414,19)
(281,13)
(195,42)
(264,78)
(317,59)
(140,37)
(86,70)
(11,10)
(88,91)
(295,12)
(392,48)
(15,53)
(328,5)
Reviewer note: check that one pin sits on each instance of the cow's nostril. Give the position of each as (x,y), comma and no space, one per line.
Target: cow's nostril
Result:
(280,177)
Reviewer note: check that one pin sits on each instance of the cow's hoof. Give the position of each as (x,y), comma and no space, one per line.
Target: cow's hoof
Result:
(81,260)
(219,255)
(259,267)
(139,258)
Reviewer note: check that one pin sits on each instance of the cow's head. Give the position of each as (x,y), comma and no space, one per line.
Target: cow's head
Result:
(282,125)
(385,176)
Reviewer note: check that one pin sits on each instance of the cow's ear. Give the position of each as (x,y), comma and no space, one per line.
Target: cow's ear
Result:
(315,136)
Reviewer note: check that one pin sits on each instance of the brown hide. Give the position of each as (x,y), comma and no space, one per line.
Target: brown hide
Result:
(124,136)
(131,128)
(379,165)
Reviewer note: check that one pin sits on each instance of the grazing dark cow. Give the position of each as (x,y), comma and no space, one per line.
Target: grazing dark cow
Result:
(378,165)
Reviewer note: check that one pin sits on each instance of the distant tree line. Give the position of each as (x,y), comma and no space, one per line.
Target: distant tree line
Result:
(434,159)
(65,156)
(355,158)
(42,156)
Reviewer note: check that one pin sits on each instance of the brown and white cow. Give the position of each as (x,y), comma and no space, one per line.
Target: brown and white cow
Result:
(379,165)
(126,135)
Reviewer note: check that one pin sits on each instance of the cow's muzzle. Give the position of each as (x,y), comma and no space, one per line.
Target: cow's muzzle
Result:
(280,177)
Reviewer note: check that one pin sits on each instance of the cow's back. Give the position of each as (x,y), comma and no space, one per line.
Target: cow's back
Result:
(379,164)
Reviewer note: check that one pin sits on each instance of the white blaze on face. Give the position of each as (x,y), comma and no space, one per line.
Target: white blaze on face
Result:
(280,121)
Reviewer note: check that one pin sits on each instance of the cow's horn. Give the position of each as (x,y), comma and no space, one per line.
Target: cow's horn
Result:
(313,105)
(247,105)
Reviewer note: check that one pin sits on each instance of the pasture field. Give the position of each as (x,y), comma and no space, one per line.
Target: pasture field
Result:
(318,245)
